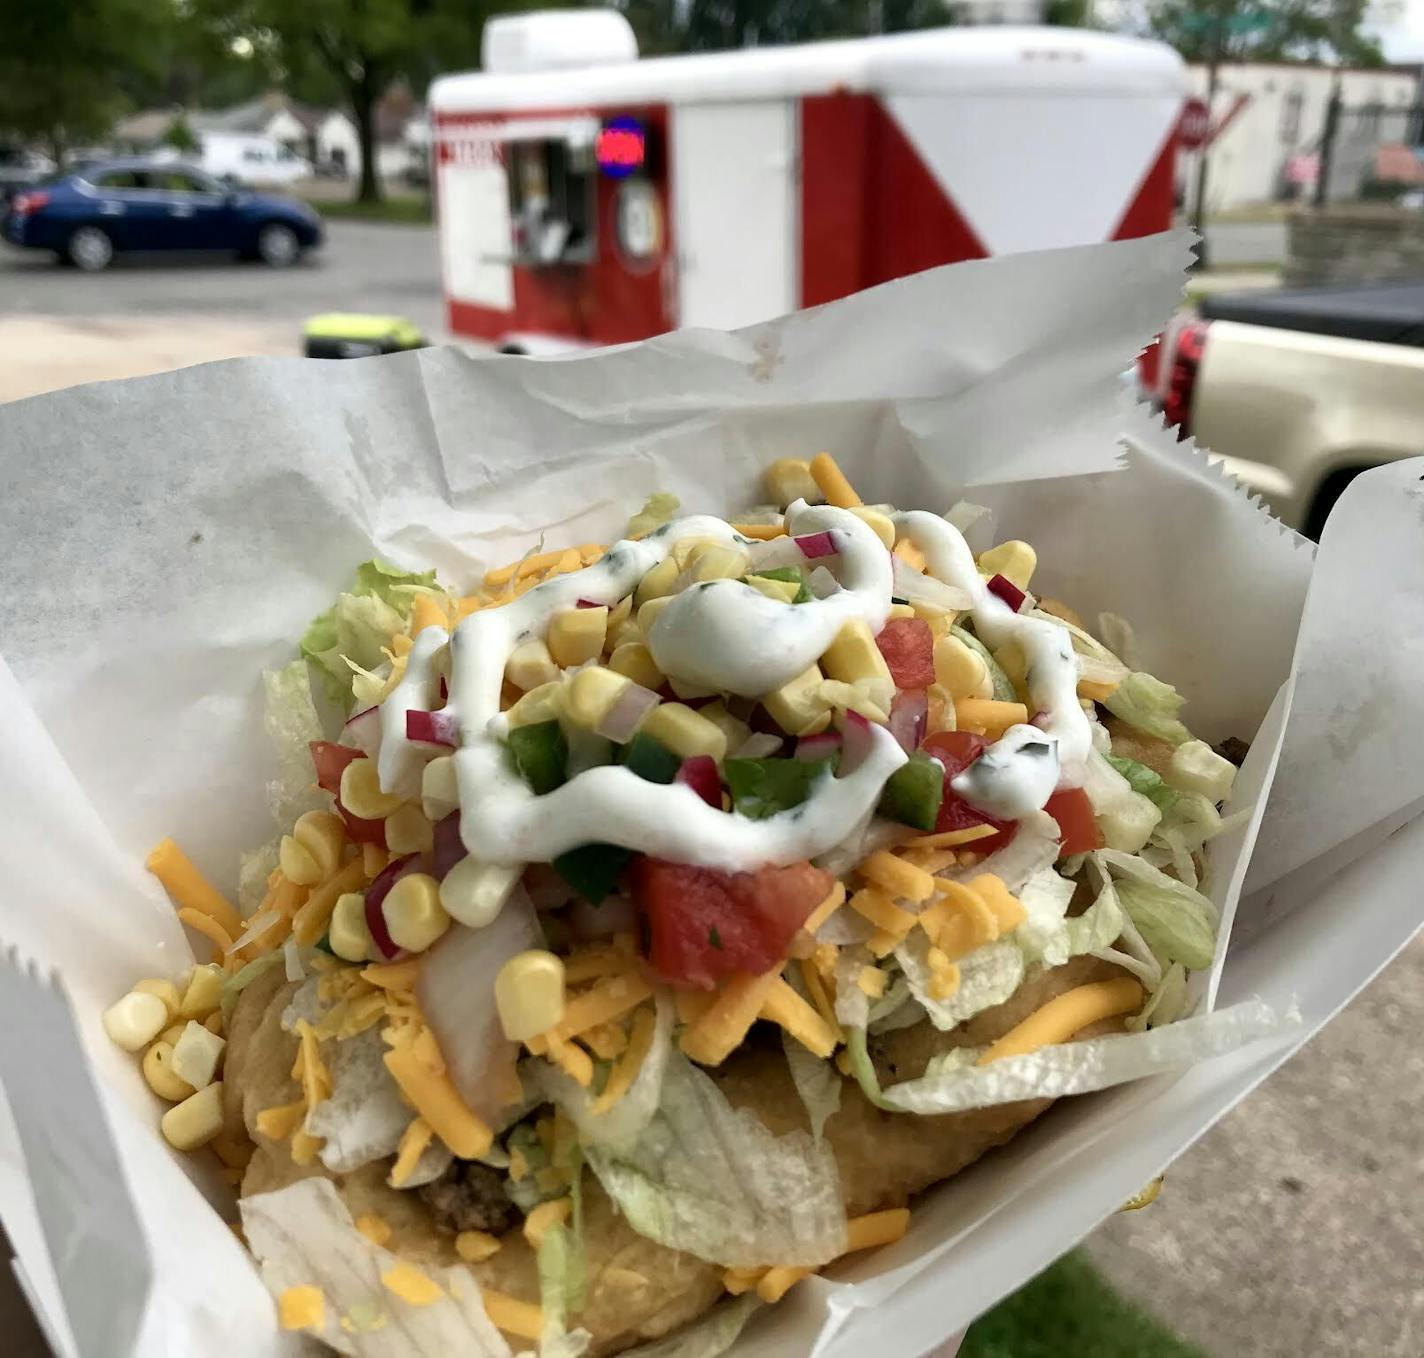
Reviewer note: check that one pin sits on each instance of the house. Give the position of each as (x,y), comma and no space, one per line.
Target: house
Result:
(1267,124)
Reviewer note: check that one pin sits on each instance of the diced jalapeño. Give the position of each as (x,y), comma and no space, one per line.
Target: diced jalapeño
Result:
(913,793)
(540,754)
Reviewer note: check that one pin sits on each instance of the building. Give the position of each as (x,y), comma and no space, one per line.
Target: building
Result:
(1268,119)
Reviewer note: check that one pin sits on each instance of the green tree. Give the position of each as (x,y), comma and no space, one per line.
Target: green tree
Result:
(63,65)
(352,50)
(1267,30)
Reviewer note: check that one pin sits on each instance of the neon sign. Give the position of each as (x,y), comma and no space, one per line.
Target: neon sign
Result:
(621,147)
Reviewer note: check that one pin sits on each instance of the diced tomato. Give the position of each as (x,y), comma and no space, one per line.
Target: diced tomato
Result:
(704,924)
(908,648)
(957,750)
(330,761)
(360,830)
(1077,826)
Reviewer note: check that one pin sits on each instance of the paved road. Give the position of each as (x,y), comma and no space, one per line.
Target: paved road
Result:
(362,267)
(1236,243)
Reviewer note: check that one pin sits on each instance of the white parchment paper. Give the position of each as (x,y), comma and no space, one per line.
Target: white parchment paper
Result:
(168,537)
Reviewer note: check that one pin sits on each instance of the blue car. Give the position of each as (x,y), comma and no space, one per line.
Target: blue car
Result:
(90,214)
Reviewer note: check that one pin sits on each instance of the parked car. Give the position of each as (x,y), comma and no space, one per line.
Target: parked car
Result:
(1299,391)
(19,169)
(250,157)
(90,214)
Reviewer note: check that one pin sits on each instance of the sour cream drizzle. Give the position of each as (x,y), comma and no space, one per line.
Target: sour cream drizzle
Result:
(724,634)
(1015,775)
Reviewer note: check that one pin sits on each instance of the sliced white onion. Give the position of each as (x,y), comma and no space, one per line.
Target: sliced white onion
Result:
(259,925)
(364,731)
(774,553)
(589,923)
(627,713)
(758,745)
(917,587)
(822,583)
(292,958)
(964,515)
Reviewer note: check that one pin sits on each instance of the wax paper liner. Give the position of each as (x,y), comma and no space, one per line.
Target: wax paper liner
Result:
(173,535)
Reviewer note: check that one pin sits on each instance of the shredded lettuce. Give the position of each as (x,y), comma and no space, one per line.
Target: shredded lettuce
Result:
(987,976)
(952,1083)
(1177,922)
(622,1124)
(712,1180)
(1127,818)
(1048,936)
(1032,849)
(1120,638)
(290,718)
(816,1081)
(1150,706)
(241,979)
(303,1235)
(1167,1003)
(360,624)
(709,1336)
(657,510)
(1144,781)
(562,1279)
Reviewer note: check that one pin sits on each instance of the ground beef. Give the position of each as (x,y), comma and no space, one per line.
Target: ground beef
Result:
(469,1196)
(1234,749)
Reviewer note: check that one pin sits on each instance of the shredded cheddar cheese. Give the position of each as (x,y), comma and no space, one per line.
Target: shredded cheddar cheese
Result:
(785,1007)
(1065,1015)
(721,1028)
(416,1137)
(411,1285)
(623,1074)
(437,1100)
(189,888)
(520,1318)
(302,1308)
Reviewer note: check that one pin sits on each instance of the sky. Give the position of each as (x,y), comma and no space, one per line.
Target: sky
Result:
(1400,27)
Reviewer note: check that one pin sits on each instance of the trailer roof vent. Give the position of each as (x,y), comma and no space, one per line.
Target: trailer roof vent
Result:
(556,39)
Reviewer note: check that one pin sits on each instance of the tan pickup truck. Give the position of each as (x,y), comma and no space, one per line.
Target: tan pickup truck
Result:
(1298,391)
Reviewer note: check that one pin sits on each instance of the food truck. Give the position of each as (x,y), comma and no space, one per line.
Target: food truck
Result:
(588,197)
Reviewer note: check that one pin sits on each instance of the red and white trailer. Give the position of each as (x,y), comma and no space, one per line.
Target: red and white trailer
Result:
(588,197)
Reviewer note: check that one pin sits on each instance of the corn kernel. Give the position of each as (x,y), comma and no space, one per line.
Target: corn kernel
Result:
(592,693)
(165,991)
(736,731)
(619,613)
(719,563)
(684,549)
(439,788)
(648,612)
(171,1034)
(348,935)
(323,836)
(195,1121)
(797,706)
(414,916)
(203,992)
(902,611)
(297,864)
(409,831)
(530,665)
(373,859)
(684,689)
(684,731)
(783,591)
(361,791)
(658,583)
(474,1247)
(852,698)
(941,709)
(576,635)
(635,660)
(196,1056)
(960,668)
(788,479)
(529,994)
(473,891)
(541,704)
(854,655)
(302,1308)
(990,717)
(1013,560)
(880,523)
(162,1079)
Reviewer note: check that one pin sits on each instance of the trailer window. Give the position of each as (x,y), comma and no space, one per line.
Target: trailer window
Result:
(552,204)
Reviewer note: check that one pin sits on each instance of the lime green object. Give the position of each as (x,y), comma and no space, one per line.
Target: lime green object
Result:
(341,334)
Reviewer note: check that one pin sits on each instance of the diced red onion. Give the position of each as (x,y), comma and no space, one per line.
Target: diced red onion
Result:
(449,848)
(856,741)
(444,690)
(909,714)
(1040,720)
(587,603)
(627,713)
(820,746)
(361,830)
(815,545)
(917,587)
(758,745)
(1001,587)
(364,731)
(260,923)
(699,772)
(773,553)
(822,583)
(376,894)
(432,728)
(739,707)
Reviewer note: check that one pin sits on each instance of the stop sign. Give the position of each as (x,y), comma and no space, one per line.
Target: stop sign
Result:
(1194,126)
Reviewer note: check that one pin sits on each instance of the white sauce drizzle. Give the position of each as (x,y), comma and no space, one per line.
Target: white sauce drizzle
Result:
(727,636)
(1015,780)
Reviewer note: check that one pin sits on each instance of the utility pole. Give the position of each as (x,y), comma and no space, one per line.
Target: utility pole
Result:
(1327,145)
(1215,50)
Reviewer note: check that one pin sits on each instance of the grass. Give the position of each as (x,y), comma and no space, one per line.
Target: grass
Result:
(1070,1311)
(410,208)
